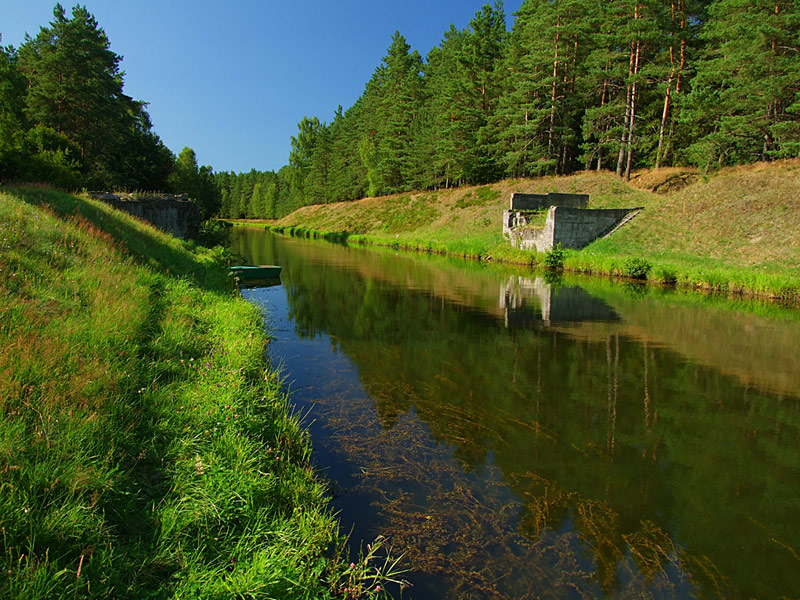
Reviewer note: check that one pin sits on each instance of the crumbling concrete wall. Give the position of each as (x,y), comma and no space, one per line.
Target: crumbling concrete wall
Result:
(524,207)
(570,227)
(175,214)
(576,228)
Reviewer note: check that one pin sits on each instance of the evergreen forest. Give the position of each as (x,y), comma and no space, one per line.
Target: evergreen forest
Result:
(576,84)
(619,85)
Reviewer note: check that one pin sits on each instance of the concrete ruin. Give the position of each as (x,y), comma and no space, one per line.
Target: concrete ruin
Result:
(568,222)
(175,214)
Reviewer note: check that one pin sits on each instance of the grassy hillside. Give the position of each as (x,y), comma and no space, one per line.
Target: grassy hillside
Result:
(735,231)
(146,449)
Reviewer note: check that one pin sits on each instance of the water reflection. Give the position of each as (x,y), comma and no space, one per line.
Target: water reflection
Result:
(552,302)
(519,438)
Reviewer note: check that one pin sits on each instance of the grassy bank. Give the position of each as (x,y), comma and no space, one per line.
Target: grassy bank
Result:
(146,449)
(734,231)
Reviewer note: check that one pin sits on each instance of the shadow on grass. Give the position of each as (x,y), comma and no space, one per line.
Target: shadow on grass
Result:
(142,241)
(131,512)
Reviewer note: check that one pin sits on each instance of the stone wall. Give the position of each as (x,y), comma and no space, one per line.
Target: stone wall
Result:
(576,228)
(571,227)
(524,207)
(175,214)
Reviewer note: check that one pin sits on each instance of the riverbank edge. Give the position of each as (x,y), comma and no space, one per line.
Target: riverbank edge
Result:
(689,273)
(148,448)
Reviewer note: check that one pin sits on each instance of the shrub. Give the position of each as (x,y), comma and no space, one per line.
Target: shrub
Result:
(554,258)
(637,268)
(211,233)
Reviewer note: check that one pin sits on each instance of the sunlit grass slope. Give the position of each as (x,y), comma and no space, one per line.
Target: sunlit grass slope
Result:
(737,230)
(145,449)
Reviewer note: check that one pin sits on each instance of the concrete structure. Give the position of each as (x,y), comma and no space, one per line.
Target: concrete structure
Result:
(523,202)
(175,214)
(568,222)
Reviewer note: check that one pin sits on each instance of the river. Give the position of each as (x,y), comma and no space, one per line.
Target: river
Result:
(514,435)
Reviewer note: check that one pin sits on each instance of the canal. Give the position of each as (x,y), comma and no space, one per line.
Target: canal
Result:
(521,436)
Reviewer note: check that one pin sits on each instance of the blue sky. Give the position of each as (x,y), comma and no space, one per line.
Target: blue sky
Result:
(232,79)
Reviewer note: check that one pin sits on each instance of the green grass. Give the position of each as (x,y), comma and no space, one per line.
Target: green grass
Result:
(733,232)
(146,448)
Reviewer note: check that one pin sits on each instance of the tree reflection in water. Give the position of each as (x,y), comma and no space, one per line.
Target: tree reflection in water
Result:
(520,438)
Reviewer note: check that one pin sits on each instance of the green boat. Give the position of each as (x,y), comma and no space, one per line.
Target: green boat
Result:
(256,271)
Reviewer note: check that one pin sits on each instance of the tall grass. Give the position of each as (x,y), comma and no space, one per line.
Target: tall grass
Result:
(146,449)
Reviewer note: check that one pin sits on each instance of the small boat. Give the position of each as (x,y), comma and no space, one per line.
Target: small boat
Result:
(256,271)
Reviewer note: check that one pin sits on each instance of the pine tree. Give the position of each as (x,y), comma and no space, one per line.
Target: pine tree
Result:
(480,85)
(398,98)
(75,94)
(449,137)
(257,203)
(619,83)
(184,177)
(12,120)
(541,110)
(745,102)
(488,43)
(348,176)
(317,181)
(283,202)
(270,197)
(75,87)
(225,203)
(685,18)
(198,182)
(144,163)
(301,160)
(235,210)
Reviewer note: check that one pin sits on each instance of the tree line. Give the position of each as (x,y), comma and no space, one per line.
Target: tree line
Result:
(65,118)
(576,84)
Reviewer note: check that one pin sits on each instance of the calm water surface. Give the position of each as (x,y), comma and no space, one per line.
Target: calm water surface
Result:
(522,438)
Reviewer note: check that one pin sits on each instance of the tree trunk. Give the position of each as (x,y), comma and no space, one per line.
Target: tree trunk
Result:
(663,127)
(623,138)
(554,93)
(637,46)
(600,141)
(632,120)
(626,123)
(675,77)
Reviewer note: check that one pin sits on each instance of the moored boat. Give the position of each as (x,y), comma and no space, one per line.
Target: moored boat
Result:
(256,271)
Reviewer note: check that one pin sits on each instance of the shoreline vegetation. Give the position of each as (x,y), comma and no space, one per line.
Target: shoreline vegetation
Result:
(733,232)
(147,447)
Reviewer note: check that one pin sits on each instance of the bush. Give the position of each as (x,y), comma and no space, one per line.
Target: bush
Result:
(554,258)
(636,268)
(212,233)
